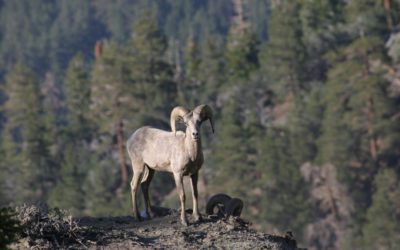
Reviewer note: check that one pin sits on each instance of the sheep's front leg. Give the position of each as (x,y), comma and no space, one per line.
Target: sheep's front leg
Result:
(179,186)
(193,179)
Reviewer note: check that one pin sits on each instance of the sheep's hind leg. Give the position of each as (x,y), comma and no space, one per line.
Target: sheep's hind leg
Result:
(179,186)
(193,181)
(145,189)
(137,172)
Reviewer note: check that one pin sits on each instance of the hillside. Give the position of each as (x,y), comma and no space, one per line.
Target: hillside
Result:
(52,230)
(305,97)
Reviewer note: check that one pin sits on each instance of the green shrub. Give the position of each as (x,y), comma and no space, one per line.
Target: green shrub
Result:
(10,227)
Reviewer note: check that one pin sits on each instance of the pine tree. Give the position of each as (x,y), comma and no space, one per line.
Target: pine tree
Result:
(284,202)
(382,229)
(52,108)
(230,161)
(287,141)
(242,53)
(320,28)
(210,70)
(304,125)
(75,161)
(191,79)
(321,24)
(101,188)
(110,101)
(26,149)
(284,54)
(33,19)
(357,131)
(74,29)
(234,154)
(77,92)
(356,95)
(69,193)
(242,45)
(156,91)
(105,182)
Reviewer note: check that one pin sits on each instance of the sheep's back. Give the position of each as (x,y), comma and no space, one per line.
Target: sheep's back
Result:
(155,147)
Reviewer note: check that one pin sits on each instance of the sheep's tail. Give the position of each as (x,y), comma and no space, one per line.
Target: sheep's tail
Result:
(145,174)
(146,171)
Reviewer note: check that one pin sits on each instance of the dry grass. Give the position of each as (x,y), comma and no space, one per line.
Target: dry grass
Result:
(49,227)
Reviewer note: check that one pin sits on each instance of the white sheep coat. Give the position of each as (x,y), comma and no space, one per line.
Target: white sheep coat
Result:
(165,151)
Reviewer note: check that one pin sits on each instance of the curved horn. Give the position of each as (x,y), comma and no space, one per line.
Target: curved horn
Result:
(177,112)
(205,113)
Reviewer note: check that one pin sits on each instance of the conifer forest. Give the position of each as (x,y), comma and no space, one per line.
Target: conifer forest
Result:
(305,95)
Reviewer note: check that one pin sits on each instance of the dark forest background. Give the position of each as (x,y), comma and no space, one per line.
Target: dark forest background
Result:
(306,96)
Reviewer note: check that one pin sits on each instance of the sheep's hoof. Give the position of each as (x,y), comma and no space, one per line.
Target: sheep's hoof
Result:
(234,207)
(138,218)
(197,218)
(184,222)
(218,204)
(146,215)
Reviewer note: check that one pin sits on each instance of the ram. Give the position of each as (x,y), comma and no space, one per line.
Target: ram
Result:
(178,152)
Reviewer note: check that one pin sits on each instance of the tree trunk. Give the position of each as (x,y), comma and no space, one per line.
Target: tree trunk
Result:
(333,204)
(373,148)
(373,145)
(388,10)
(121,153)
(98,50)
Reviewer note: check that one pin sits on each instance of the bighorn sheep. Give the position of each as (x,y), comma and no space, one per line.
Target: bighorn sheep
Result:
(152,149)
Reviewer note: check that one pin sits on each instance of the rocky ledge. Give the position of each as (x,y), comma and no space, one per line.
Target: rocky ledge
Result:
(52,229)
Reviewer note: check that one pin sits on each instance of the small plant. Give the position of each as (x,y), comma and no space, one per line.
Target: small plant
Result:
(10,227)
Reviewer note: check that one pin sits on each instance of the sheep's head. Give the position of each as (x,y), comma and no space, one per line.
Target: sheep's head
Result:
(192,119)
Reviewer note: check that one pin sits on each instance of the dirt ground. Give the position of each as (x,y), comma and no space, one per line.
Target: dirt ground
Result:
(161,232)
